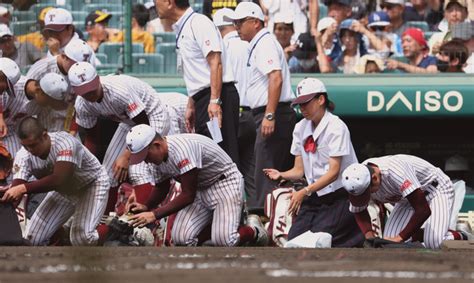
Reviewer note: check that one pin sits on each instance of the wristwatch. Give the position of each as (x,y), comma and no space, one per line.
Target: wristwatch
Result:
(217,101)
(307,191)
(269,116)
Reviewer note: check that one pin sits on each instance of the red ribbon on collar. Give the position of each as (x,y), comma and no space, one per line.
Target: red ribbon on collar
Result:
(310,145)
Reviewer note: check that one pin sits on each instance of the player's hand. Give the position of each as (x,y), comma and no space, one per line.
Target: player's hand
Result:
(215,110)
(120,168)
(142,219)
(296,198)
(190,118)
(357,27)
(272,174)
(3,128)
(54,45)
(131,200)
(136,207)
(268,127)
(392,64)
(397,239)
(14,194)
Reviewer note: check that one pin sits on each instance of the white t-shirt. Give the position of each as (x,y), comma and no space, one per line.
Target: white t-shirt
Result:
(265,56)
(196,37)
(333,139)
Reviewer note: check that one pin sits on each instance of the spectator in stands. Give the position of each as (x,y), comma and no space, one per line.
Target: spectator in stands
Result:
(304,56)
(427,11)
(416,51)
(369,64)
(284,31)
(339,9)
(379,24)
(297,10)
(36,38)
(452,56)
(209,7)
(24,54)
(5,15)
(395,9)
(140,17)
(96,24)
(156,24)
(369,38)
(465,32)
(455,11)
(327,28)
(353,47)
(58,30)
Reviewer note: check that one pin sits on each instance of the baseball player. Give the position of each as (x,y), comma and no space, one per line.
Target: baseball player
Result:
(12,103)
(176,104)
(422,193)
(120,98)
(77,184)
(51,102)
(212,188)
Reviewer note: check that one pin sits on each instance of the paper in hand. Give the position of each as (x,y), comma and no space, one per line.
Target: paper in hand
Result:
(213,126)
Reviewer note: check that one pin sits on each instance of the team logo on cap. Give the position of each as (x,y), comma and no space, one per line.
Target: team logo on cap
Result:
(86,57)
(51,17)
(82,77)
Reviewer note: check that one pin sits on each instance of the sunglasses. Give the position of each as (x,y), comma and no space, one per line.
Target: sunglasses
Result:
(238,23)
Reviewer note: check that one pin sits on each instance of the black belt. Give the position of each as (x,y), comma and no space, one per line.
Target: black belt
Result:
(262,109)
(203,92)
(244,108)
(327,199)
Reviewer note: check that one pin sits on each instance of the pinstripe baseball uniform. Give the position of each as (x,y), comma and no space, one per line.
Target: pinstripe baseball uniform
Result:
(219,194)
(124,98)
(400,176)
(176,104)
(13,107)
(84,196)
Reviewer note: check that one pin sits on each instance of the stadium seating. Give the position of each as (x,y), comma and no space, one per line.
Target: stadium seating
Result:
(116,21)
(147,63)
(79,16)
(23,16)
(36,8)
(421,25)
(102,58)
(164,37)
(23,27)
(113,50)
(168,50)
(103,7)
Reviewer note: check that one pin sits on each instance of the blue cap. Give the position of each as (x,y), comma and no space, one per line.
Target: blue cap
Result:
(346,24)
(380,19)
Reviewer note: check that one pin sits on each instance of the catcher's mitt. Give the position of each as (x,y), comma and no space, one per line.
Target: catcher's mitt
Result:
(6,162)
(121,233)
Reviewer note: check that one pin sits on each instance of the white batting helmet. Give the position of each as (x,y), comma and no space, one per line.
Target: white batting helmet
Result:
(356,178)
(10,69)
(54,85)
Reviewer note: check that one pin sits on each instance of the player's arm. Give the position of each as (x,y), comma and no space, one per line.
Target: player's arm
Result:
(215,64)
(91,138)
(63,170)
(422,211)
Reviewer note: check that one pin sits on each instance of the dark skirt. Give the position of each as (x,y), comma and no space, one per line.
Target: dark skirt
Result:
(329,213)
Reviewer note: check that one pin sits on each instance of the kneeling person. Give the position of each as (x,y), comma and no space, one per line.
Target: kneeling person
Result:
(77,184)
(212,187)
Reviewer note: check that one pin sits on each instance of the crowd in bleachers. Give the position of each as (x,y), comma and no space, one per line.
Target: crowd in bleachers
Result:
(335,36)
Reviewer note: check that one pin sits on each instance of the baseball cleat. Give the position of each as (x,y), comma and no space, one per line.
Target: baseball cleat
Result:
(254,221)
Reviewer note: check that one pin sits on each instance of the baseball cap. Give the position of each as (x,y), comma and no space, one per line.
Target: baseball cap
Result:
(346,24)
(43,13)
(57,19)
(10,69)
(360,67)
(282,17)
(356,179)
(417,35)
(380,19)
(304,45)
(394,2)
(464,30)
(326,22)
(244,10)
(83,78)
(149,5)
(456,163)
(5,30)
(307,89)
(79,51)
(54,85)
(219,15)
(342,2)
(463,3)
(97,16)
(138,139)
(3,10)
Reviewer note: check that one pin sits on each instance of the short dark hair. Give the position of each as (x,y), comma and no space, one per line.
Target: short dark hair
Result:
(455,49)
(182,4)
(30,127)
(141,14)
(288,25)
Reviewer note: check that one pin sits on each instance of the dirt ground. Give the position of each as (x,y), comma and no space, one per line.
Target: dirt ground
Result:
(244,265)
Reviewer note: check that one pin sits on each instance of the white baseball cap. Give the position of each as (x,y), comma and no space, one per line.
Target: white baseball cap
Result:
(326,22)
(397,2)
(5,30)
(244,10)
(3,10)
(356,179)
(282,17)
(456,163)
(10,69)
(57,19)
(79,51)
(54,85)
(307,89)
(219,15)
(138,139)
(83,78)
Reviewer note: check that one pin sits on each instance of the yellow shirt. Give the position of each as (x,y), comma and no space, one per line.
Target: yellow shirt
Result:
(35,38)
(138,36)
